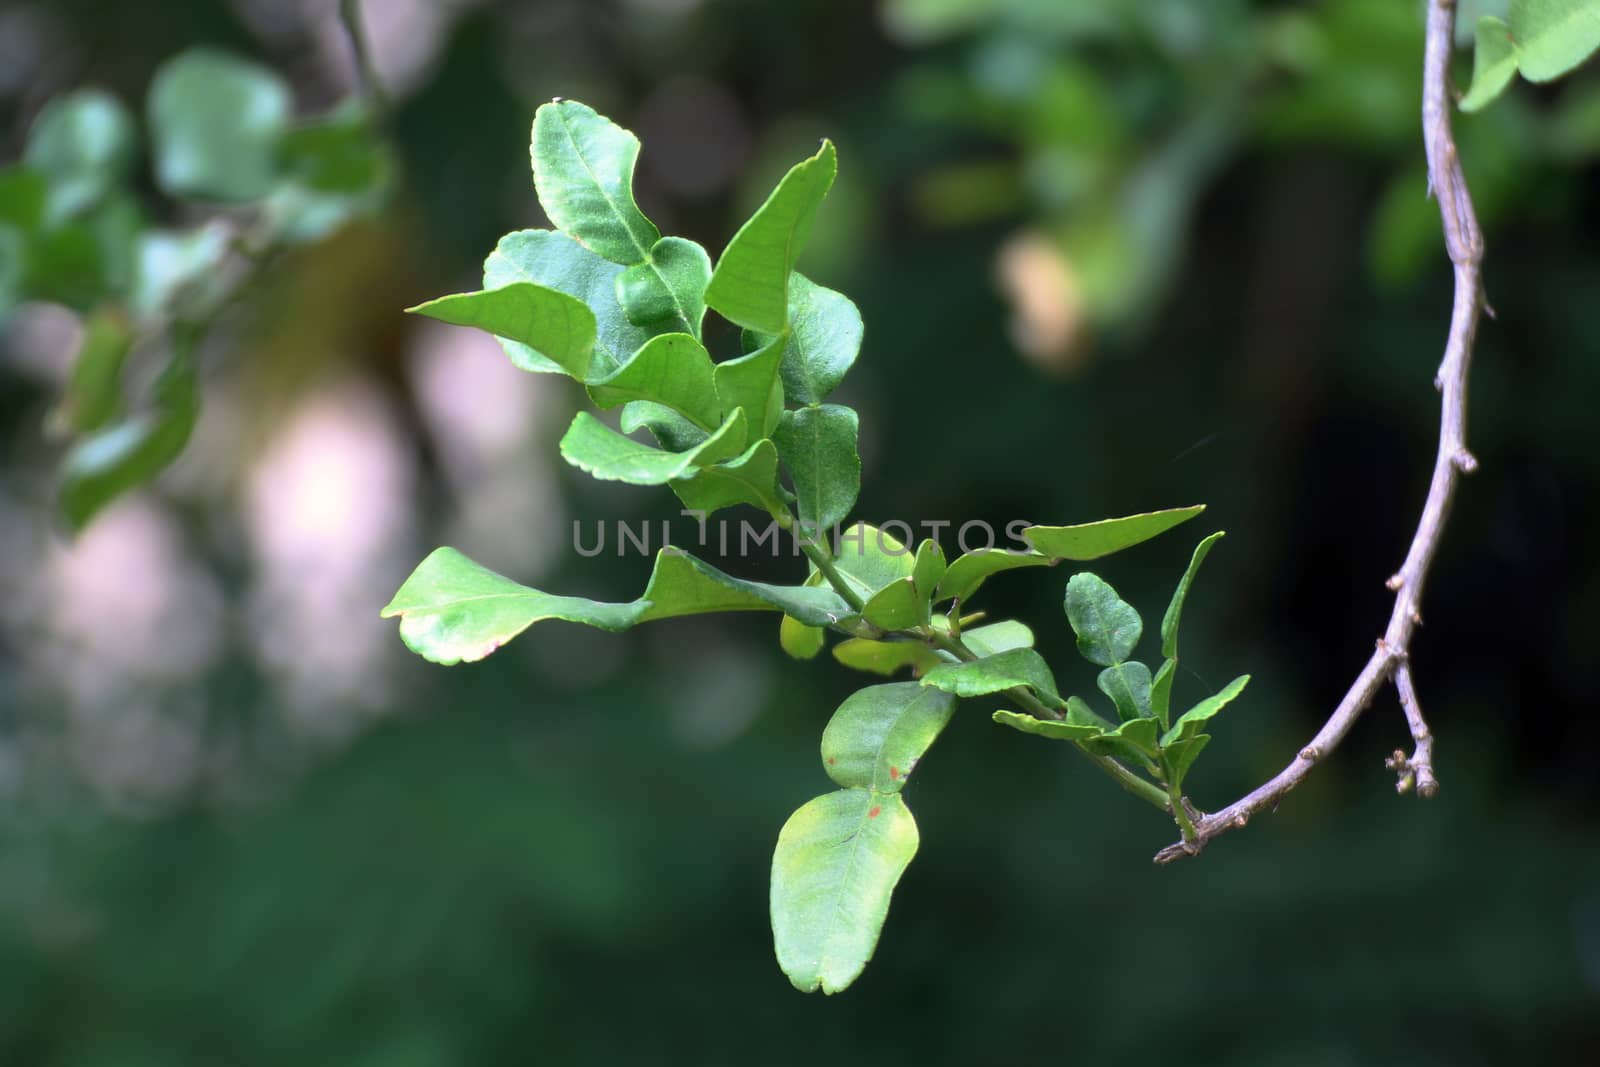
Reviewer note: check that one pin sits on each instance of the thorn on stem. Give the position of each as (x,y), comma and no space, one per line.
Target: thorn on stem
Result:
(1465,461)
(1396,582)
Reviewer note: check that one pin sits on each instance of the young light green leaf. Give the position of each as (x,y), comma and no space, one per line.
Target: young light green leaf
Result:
(750,285)
(215,125)
(879,734)
(1554,35)
(669,287)
(1128,685)
(1091,540)
(897,606)
(1106,625)
(1055,729)
(886,657)
(824,340)
(751,478)
(926,570)
(547,323)
(1134,740)
(751,383)
(93,395)
(672,369)
(1169,621)
(1180,756)
(453,610)
(1161,691)
(583,171)
(997,673)
(998,637)
(671,430)
(836,865)
(1494,63)
(799,640)
(557,261)
(872,558)
(84,142)
(1194,720)
(818,446)
(969,571)
(172,265)
(592,446)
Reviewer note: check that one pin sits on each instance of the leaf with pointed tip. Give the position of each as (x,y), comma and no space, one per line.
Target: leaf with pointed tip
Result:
(93,395)
(1128,686)
(1091,540)
(879,734)
(750,286)
(927,569)
(1055,729)
(751,478)
(751,383)
(556,261)
(1193,721)
(969,571)
(886,657)
(1134,740)
(823,343)
(997,673)
(871,558)
(672,369)
(454,610)
(835,868)
(84,142)
(799,640)
(671,430)
(583,171)
(896,606)
(215,125)
(558,328)
(1494,63)
(1169,621)
(592,446)
(1180,756)
(1554,36)
(998,637)
(1106,625)
(1161,691)
(818,446)
(669,287)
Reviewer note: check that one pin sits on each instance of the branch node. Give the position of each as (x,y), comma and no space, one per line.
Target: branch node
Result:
(1396,582)
(1310,754)
(1465,461)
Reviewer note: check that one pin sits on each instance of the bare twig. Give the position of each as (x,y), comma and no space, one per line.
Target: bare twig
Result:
(1390,660)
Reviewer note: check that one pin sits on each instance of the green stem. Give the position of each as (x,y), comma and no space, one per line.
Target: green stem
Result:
(823,561)
(1179,812)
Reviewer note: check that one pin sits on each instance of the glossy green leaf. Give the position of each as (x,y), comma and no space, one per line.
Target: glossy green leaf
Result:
(871,558)
(1106,625)
(751,383)
(1161,691)
(669,287)
(1180,757)
(215,125)
(836,865)
(1194,720)
(749,478)
(998,637)
(1174,615)
(969,571)
(818,446)
(126,454)
(750,284)
(592,446)
(1091,540)
(1069,729)
(84,142)
(879,734)
(454,610)
(799,640)
(93,395)
(547,323)
(1554,36)
(671,430)
(997,673)
(1128,686)
(1134,740)
(557,261)
(897,606)
(1494,63)
(672,369)
(583,171)
(886,657)
(823,343)
(173,266)
(927,569)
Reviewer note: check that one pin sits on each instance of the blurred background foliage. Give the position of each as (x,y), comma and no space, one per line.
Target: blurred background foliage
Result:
(1159,253)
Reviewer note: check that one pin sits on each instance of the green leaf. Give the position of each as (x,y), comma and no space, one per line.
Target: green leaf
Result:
(1107,626)
(84,142)
(897,606)
(583,171)
(1180,756)
(871,558)
(129,453)
(969,571)
(556,261)
(669,287)
(886,657)
(751,478)
(835,868)
(751,383)
(1128,686)
(1161,691)
(998,637)
(1055,729)
(1194,720)
(818,446)
(879,734)
(171,266)
(453,610)
(997,673)
(215,125)
(1554,35)
(1169,621)
(1134,740)
(1091,540)
(592,446)
(23,196)
(671,430)
(750,285)
(672,369)
(824,341)
(1494,63)
(547,323)
(799,640)
(927,569)
(335,154)
(93,395)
